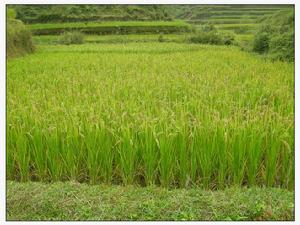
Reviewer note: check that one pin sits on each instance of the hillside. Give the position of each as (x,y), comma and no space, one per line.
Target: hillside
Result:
(76,13)
(241,19)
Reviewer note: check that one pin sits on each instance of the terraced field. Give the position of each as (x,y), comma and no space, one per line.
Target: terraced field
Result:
(112,27)
(240,19)
(54,39)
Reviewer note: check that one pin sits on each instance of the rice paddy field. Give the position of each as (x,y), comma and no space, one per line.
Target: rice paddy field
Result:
(164,114)
(118,113)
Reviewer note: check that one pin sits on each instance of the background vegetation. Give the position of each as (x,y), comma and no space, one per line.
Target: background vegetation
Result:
(74,37)
(77,13)
(276,36)
(113,27)
(18,37)
(264,29)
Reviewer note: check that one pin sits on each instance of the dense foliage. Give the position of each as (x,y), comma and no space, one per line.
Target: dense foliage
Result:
(76,13)
(18,37)
(261,42)
(208,34)
(112,27)
(74,37)
(276,37)
(73,13)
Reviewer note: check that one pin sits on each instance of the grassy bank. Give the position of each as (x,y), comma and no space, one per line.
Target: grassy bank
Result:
(79,13)
(74,201)
(106,39)
(112,27)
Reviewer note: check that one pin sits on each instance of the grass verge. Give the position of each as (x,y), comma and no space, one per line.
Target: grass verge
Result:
(110,39)
(74,201)
(112,27)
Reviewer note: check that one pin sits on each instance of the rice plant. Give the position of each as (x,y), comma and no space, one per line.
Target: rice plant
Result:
(175,115)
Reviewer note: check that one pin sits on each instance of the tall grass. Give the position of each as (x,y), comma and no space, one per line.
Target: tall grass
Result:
(169,114)
(18,39)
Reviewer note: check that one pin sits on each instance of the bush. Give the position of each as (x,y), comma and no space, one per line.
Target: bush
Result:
(11,13)
(245,45)
(227,38)
(282,47)
(276,37)
(241,30)
(18,38)
(74,37)
(212,37)
(206,38)
(261,43)
(208,27)
(161,38)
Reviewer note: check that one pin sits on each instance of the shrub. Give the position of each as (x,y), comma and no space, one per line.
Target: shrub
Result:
(282,47)
(227,38)
(261,43)
(276,37)
(11,13)
(18,38)
(245,45)
(161,38)
(241,30)
(206,38)
(212,37)
(207,27)
(74,37)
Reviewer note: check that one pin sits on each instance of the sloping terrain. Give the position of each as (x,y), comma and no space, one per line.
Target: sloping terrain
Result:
(76,13)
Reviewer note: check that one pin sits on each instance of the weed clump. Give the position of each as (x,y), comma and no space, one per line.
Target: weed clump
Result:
(209,35)
(18,37)
(161,38)
(74,37)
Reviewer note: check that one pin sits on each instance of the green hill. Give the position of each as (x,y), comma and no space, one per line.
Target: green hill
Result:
(238,18)
(76,13)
